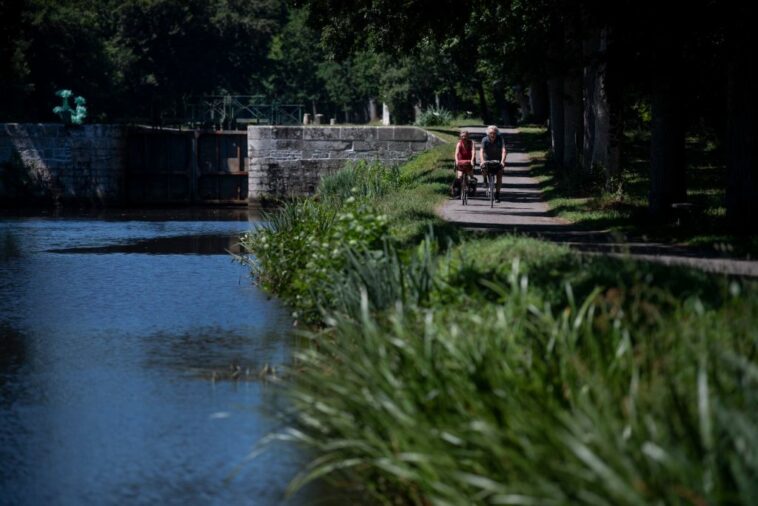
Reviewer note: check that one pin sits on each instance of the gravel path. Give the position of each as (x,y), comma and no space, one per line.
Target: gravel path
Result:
(522,210)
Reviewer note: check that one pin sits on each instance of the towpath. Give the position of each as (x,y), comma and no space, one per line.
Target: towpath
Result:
(522,210)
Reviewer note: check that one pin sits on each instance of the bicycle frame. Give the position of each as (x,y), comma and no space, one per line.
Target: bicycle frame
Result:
(491,178)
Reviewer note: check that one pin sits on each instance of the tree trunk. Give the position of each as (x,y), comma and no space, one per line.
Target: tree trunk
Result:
(525,106)
(483,103)
(572,120)
(500,105)
(572,92)
(555,88)
(667,163)
(742,134)
(602,115)
(539,102)
(591,53)
(372,112)
(417,111)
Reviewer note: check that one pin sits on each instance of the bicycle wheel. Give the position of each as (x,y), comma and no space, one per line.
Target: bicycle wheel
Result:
(464,190)
(492,190)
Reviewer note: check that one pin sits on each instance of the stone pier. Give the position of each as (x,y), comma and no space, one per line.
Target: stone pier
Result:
(289,161)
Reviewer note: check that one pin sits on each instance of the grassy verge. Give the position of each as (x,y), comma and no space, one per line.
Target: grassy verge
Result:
(624,208)
(451,368)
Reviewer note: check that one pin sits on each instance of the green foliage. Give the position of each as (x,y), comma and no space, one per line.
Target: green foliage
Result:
(600,401)
(359,180)
(455,369)
(305,241)
(434,116)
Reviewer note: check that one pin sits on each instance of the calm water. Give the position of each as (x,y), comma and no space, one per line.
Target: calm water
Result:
(110,330)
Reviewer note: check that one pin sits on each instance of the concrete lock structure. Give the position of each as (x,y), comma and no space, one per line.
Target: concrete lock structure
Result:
(290,160)
(117,164)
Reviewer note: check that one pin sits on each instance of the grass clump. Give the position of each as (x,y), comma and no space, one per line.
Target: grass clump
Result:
(434,116)
(445,367)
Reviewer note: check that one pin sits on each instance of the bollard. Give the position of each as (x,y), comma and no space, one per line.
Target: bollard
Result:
(333,121)
(306,119)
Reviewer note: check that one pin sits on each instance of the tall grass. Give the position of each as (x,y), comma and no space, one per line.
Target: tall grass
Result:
(523,404)
(449,368)
(359,179)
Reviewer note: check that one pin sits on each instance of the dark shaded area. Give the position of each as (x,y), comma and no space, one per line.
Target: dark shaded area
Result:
(179,245)
(700,222)
(155,214)
(12,349)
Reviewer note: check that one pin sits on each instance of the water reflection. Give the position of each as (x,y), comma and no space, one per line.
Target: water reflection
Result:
(202,244)
(105,361)
(9,247)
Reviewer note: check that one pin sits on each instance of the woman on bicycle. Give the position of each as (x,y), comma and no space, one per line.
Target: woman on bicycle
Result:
(465,156)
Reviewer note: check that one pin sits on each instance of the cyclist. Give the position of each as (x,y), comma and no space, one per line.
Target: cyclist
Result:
(493,150)
(465,157)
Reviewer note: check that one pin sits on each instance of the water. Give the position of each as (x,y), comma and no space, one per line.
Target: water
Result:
(111,330)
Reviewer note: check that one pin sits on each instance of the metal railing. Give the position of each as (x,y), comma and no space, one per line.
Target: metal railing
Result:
(234,111)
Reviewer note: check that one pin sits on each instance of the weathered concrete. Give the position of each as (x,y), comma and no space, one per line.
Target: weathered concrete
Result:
(290,160)
(83,163)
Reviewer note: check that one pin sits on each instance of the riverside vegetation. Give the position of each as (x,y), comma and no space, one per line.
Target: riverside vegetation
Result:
(446,367)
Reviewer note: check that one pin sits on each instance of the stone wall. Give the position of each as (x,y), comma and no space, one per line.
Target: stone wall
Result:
(290,160)
(52,161)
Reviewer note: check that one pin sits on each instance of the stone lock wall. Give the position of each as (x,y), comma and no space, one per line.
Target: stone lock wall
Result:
(65,163)
(290,160)
(89,163)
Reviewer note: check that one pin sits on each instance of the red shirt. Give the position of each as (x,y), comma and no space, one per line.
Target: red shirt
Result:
(464,151)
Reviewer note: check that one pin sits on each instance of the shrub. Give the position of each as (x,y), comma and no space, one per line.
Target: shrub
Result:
(303,243)
(435,117)
(359,179)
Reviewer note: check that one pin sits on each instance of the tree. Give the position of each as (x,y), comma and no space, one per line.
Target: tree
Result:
(172,50)
(295,56)
(742,162)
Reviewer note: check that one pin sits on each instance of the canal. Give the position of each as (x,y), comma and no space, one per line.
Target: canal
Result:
(119,335)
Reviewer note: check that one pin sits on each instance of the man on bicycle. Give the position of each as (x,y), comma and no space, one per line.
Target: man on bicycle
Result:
(492,156)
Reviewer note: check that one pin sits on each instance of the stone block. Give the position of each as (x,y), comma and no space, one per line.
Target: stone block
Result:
(328,145)
(385,133)
(288,132)
(289,144)
(358,133)
(321,133)
(410,134)
(398,146)
(260,132)
(363,146)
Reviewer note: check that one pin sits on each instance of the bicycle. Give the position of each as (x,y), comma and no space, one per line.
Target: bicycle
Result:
(491,175)
(467,186)
(464,189)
